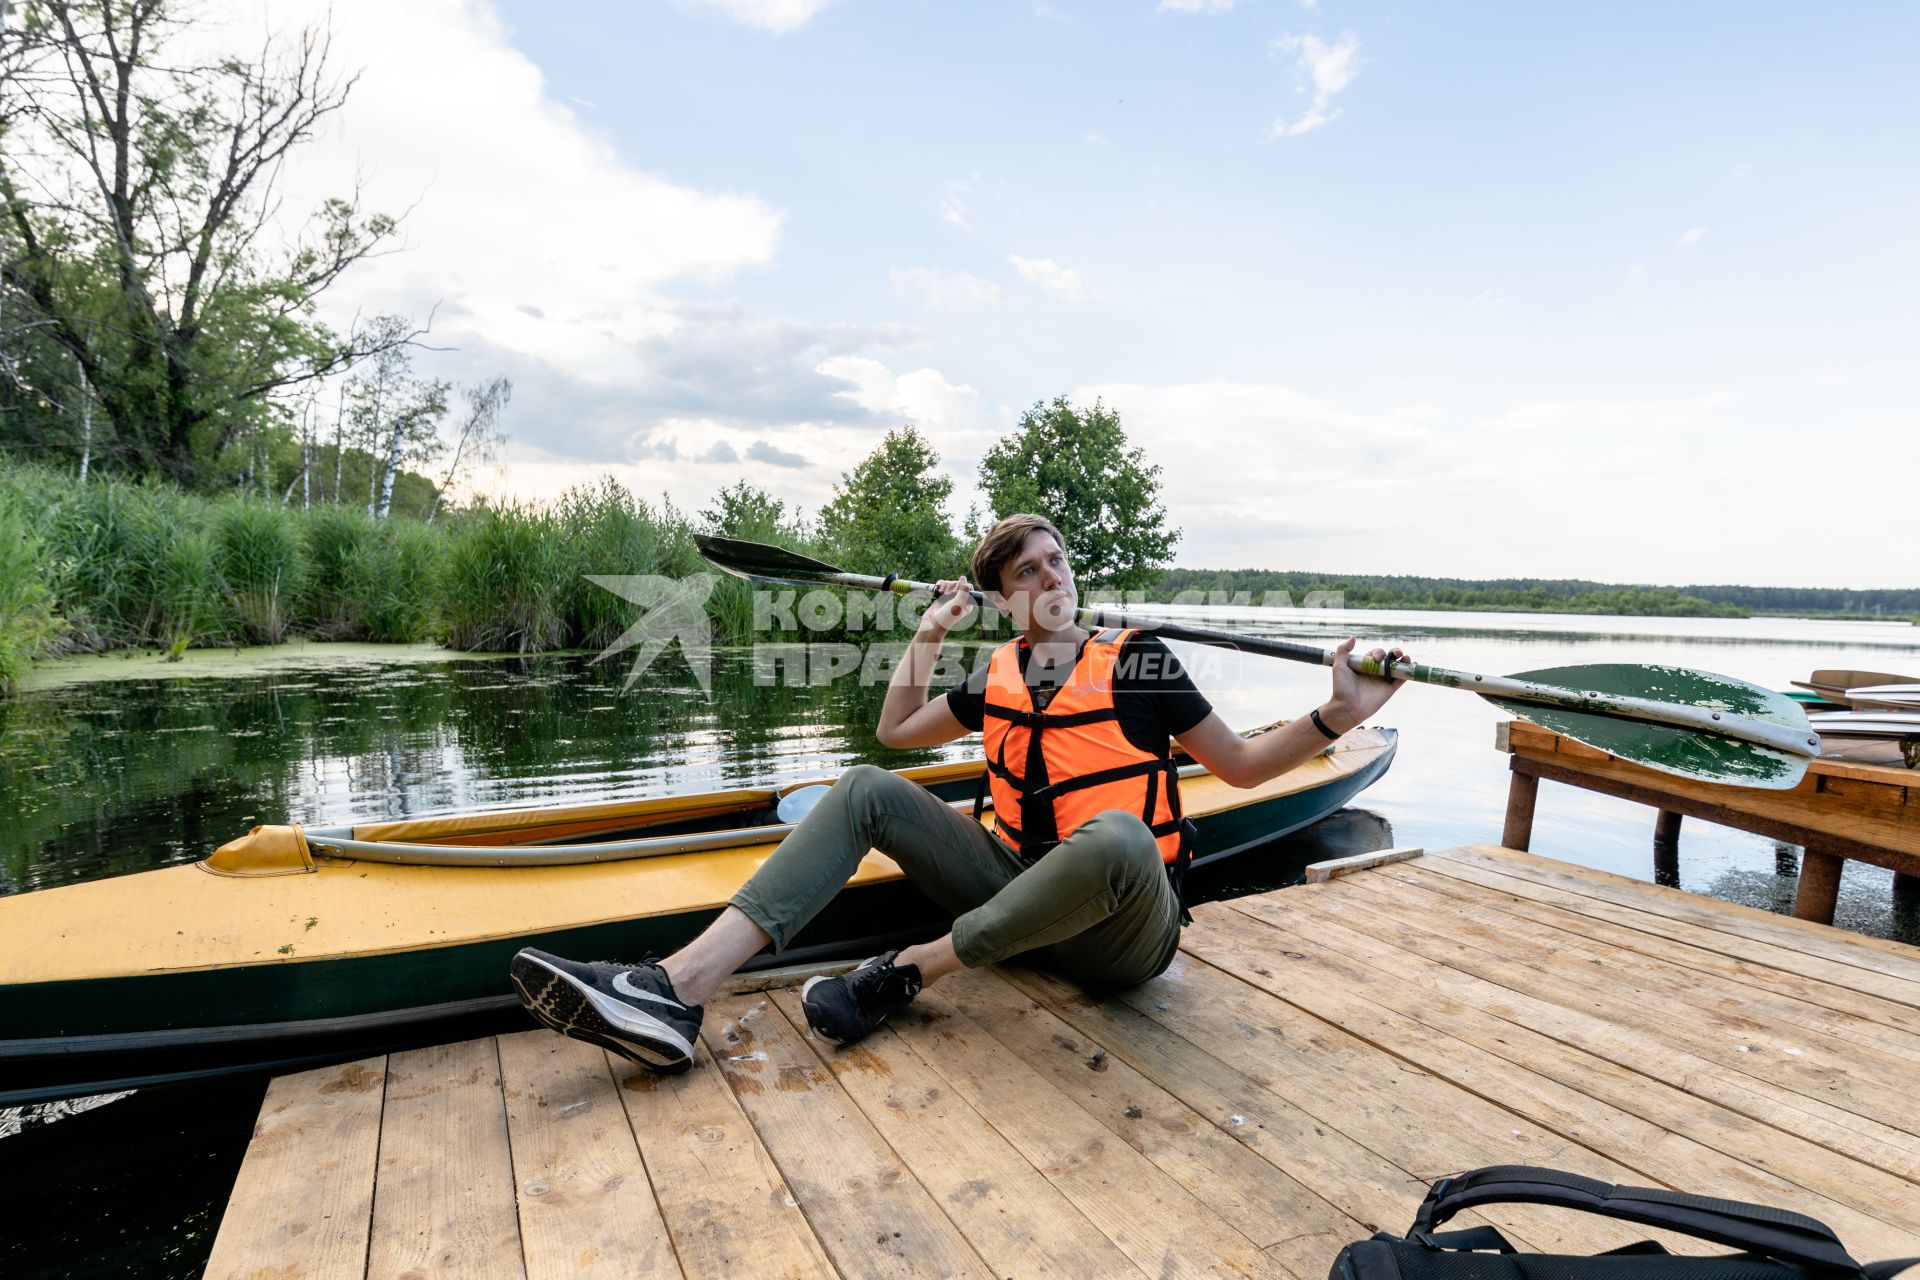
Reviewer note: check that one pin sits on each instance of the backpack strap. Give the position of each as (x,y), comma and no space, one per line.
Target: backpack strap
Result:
(1757,1229)
(1888,1269)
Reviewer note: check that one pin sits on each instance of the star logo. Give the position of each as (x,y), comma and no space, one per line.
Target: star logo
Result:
(675,610)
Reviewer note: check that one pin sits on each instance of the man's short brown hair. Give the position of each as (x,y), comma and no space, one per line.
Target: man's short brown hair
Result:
(1003,543)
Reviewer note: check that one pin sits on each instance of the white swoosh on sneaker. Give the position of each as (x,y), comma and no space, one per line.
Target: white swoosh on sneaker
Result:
(644,1028)
(624,985)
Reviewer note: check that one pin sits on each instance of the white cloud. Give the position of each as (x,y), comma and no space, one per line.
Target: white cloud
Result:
(954,417)
(527,226)
(1328,69)
(761,451)
(953,207)
(946,290)
(1262,475)
(1488,297)
(1044,273)
(1692,236)
(777,16)
(923,397)
(1195,6)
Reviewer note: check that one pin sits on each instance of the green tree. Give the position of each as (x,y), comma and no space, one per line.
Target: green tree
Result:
(888,515)
(742,511)
(395,415)
(136,189)
(1074,467)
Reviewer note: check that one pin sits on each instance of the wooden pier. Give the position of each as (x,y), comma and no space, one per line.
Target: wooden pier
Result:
(1314,1057)
(1840,810)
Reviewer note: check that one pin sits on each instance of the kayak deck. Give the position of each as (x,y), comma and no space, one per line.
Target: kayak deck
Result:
(346,909)
(1313,1058)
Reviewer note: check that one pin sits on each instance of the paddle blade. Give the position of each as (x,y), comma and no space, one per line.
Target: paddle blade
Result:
(761,562)
(1683,752)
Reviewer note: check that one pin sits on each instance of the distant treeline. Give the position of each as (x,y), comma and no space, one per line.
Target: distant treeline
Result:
(1541,595)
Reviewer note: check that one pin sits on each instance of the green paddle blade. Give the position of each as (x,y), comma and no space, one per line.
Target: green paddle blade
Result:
(759,561)
(1684,752)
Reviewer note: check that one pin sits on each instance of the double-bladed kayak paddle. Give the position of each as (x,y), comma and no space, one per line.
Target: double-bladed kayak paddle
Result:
(1691,723)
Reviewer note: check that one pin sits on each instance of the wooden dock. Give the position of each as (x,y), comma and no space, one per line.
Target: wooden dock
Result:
(1839,810)
(1314,1057)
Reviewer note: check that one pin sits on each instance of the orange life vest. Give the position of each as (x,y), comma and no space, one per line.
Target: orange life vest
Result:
(1050,771)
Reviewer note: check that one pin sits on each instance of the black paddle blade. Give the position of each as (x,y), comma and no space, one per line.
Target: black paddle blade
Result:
(759,562)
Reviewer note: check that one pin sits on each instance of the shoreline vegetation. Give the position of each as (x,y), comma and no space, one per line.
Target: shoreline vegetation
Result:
(1535,595)
(111,566)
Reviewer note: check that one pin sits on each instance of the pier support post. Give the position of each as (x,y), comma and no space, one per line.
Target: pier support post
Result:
(1521,793)
(1819,885)
(1666,848)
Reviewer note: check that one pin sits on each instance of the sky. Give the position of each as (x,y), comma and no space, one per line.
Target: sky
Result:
(1624,292)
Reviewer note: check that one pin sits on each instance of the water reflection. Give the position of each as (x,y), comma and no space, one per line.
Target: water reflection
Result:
(113,777)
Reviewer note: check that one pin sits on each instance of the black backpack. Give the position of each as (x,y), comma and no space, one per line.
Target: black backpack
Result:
(1773,1244)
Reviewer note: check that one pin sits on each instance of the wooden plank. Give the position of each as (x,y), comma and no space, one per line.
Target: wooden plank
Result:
(303,1202)
(1412,1118)
(1334,868)
(1157,1223)
(1813,1066)
(586,1208)
(1524,736)
(1365,1186)
(1257,1198)
(443,1204)
(1638,974)
(1875,955)
(1812,805)
(1012,1216)
(1829,973)
(1665,1134)
(1522,1016)
(726,1207)
(1721,806)
(871,1214)
(1817,1120)
(1868,1018)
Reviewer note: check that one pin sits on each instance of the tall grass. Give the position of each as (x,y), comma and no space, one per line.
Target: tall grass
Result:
(508,572)
(260,563)
(111,564)
(27,619)
(404,604)
(343,571)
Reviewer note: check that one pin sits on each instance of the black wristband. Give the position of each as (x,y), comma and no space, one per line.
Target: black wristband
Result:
(1322,725)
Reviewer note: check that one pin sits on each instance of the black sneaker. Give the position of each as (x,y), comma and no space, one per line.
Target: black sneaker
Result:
(845,1008)
(630,1009)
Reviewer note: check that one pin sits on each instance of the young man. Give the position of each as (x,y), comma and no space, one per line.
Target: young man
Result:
(1086,810)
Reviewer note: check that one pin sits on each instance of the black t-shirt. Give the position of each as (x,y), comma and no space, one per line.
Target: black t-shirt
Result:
(1153,695)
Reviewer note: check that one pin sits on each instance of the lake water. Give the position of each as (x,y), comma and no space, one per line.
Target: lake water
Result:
(113,776)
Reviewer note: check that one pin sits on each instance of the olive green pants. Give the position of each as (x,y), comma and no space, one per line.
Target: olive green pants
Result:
(1099,902)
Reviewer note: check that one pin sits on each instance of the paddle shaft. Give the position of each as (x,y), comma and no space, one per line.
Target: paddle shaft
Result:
(1726,724)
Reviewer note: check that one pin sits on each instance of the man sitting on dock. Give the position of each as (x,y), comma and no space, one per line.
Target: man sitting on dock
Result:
(1084,859)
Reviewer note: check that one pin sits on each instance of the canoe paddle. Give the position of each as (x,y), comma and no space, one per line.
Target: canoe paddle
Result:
(1691,723)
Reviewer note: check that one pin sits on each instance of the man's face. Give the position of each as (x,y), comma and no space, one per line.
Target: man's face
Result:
(1037,584)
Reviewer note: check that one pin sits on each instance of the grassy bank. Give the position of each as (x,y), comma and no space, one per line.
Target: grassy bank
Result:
(108,565)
